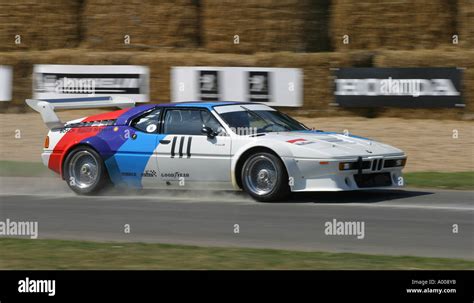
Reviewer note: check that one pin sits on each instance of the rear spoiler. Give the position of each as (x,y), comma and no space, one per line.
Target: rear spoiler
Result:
(46,107)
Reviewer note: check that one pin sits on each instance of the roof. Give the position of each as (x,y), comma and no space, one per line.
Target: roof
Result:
(206,104)
(198,104)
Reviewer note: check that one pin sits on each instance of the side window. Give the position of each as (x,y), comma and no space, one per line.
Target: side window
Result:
(188,121)
(209,120)
(148,122)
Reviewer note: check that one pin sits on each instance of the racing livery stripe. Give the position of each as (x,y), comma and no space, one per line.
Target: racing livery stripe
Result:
(173,144)
(181,143)
(296,140)
(128,164)
(90,134)
(72,137)
(188,148)
(106,116)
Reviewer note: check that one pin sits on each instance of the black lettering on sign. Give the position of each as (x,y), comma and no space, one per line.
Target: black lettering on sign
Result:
(259,86)
(208,85)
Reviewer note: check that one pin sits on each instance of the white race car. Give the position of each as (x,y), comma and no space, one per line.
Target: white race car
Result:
(212,145)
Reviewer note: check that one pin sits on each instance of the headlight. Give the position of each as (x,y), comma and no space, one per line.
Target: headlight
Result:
(354,165)
(395,163)
(345,165)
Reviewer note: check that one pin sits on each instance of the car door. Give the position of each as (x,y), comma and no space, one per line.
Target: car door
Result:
(186,156)
(134,162)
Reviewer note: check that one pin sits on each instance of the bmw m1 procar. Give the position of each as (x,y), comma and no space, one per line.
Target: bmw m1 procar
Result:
(223,145)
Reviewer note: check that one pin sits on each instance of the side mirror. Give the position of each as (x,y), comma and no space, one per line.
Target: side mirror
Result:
(208,132)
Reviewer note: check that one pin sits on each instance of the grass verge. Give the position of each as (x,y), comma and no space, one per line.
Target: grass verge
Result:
(59,254)
(24,169)
(457,180)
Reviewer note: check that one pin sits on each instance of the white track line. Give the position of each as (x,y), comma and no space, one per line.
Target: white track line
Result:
(241,201)
(378,205)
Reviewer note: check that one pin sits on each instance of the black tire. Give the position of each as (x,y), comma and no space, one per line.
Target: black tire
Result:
(261,181)
(78,163)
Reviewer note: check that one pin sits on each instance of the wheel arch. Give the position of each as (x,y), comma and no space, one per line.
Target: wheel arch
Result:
(245,155)
(71,149)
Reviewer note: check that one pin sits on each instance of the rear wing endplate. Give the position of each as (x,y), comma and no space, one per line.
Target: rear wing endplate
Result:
(46,107)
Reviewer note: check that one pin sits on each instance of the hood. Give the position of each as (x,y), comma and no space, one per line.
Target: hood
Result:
(316,144)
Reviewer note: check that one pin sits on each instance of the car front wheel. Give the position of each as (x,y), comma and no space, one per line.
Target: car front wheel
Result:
(264,177)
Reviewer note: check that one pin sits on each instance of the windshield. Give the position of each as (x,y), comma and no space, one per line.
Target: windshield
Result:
(255,119)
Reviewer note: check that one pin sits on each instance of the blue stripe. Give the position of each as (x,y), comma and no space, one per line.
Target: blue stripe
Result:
(132,157)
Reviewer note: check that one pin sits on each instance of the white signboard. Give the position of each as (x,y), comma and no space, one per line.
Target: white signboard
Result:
(272,86)
(6,77)
(75,81)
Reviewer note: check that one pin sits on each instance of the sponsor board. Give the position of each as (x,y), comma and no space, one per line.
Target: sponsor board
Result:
(398,87)
(6,77)
(74,81)
(272,86)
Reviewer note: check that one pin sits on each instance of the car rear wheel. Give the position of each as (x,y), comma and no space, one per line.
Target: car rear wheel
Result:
(264,177)
(85,172)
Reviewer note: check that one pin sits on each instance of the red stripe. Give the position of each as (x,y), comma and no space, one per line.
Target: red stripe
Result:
(295,140)
(76,135)
(72,137)
(106,116)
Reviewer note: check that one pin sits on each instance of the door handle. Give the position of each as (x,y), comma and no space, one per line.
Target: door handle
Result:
(165,141)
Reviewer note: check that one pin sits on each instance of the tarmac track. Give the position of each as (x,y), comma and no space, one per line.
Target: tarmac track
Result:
(396,222)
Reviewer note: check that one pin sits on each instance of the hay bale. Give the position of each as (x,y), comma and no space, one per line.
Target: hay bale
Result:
(466,23)
(41,24)
(150,24)
(22,63)
(432,58)
(269,25)
(388,24)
